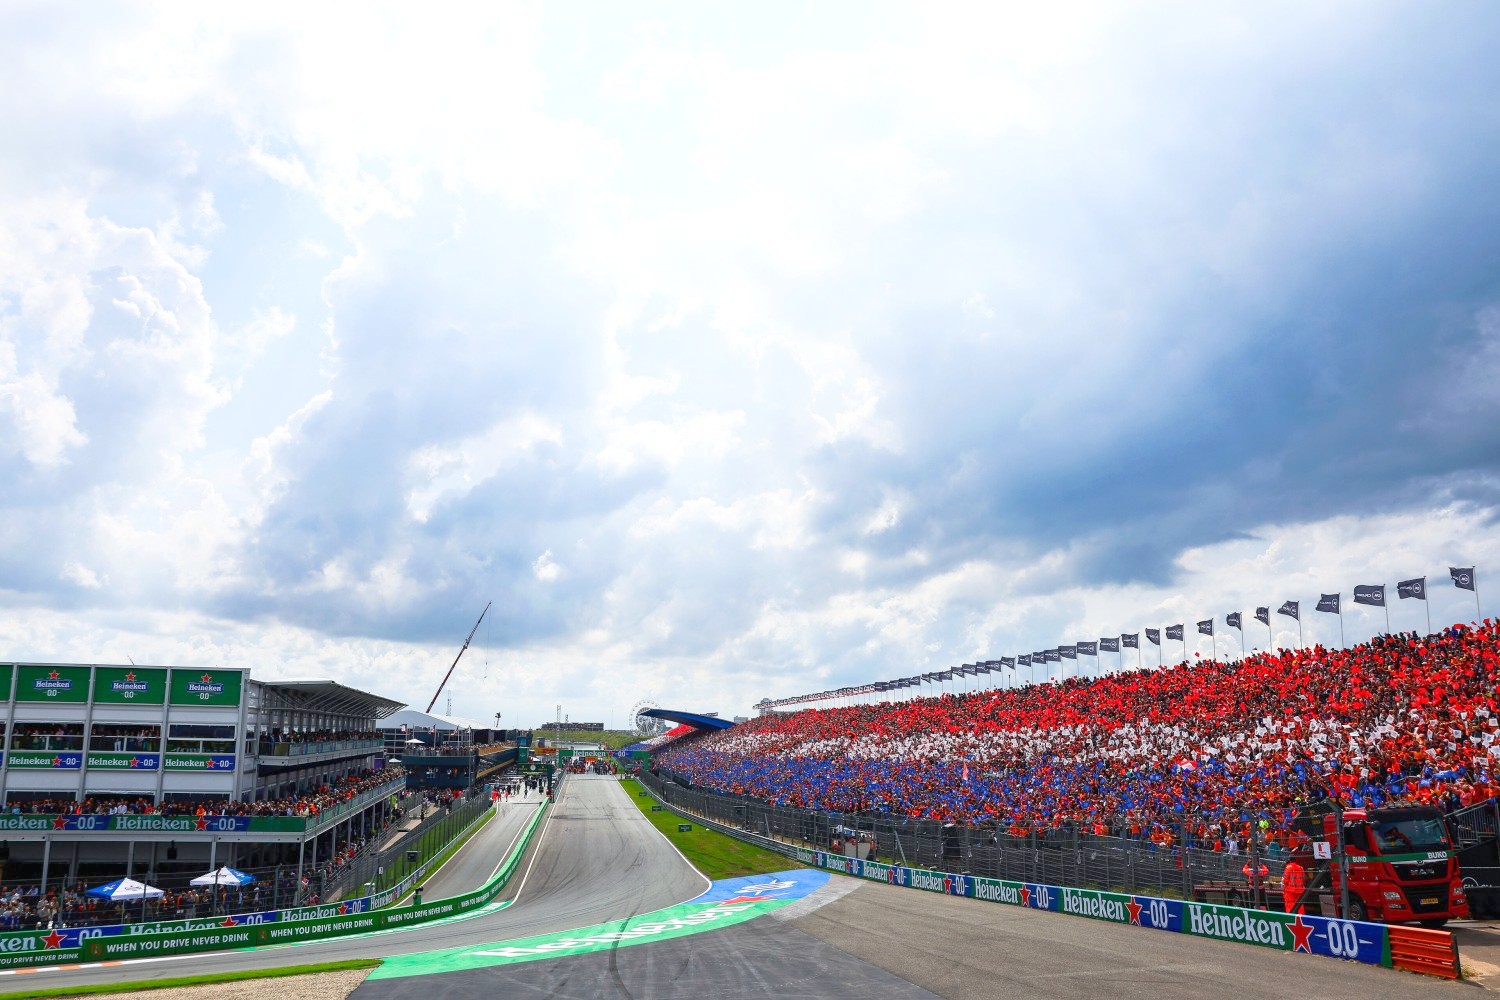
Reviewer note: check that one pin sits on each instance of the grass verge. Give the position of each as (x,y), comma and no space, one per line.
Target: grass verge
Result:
(227,977)
(714,854)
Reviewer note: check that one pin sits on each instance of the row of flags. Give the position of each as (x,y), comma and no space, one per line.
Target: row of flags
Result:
(1373,595)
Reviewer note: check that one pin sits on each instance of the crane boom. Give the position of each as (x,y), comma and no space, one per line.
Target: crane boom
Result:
(459,656)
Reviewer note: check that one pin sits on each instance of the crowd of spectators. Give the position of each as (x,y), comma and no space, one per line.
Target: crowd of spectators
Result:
(270,740)
(311,802)
(1204,747)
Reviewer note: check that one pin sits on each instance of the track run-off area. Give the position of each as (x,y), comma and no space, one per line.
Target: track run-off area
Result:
(604,906)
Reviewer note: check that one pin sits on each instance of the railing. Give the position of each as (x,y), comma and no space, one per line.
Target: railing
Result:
(1475,824)
(315,749)
(338,812)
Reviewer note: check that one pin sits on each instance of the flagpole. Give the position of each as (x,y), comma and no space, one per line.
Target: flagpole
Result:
(1300,642)
(1342,643)
(1387,605)
(1270,636)
(1427,606)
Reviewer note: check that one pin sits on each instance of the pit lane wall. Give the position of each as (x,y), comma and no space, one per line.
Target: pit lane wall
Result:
(1348,939)
(71,945)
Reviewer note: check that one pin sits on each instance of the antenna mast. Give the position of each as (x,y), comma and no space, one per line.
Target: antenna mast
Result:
(459,656)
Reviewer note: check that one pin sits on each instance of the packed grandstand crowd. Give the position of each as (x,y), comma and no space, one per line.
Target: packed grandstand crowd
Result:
(311,802)
(1223,745)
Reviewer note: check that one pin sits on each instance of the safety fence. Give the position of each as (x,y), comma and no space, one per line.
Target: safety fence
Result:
(1070,856)
(68,945)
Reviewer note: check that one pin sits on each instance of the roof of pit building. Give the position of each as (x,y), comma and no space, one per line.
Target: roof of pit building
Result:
(325,696)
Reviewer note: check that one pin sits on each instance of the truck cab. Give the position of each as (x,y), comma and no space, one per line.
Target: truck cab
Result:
(1402,866)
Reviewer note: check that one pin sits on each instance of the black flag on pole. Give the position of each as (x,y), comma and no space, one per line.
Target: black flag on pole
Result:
(1024,659)
(1371,594)
(1088,649)
(1109,645)
(1263,615)
(1206,627)
(1233,620)
(1463,578)
(1008,662)
(1328,603)
(1290,609)
(1054,655)
(1131,640)
(1153,636)
(1174,632)
(1068,652)
(1412,588)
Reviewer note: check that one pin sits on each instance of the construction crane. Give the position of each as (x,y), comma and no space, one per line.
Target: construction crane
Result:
(459,656)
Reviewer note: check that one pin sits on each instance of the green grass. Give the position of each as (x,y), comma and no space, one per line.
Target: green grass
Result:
(227,977)
(714,854)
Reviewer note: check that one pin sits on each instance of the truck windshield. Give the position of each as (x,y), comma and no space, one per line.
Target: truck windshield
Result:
(1397,836)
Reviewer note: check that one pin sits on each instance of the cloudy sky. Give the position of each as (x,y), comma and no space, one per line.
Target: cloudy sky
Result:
(734,352)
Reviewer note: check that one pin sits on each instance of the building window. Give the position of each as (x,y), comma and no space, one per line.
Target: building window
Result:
(196,738)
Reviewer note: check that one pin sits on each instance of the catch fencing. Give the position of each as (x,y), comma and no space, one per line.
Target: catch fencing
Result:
(1069,856)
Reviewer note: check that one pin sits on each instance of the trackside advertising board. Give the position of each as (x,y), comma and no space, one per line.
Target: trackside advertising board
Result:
(179,937)
(1349,939)
(212,687)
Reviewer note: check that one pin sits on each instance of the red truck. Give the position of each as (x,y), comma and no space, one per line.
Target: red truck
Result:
(1402,866)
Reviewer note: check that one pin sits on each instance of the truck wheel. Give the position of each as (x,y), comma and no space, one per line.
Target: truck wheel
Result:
(1357,909)
(1434,924)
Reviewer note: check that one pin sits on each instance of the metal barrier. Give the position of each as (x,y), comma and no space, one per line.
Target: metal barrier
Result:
(1434,953)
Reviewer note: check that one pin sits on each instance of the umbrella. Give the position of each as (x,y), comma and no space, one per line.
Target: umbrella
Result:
(122,889)
(224,876)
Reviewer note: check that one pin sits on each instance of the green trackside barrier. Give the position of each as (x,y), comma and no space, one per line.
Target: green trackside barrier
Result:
(254,935)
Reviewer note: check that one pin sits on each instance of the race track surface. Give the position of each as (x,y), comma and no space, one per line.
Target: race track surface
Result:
(597,859)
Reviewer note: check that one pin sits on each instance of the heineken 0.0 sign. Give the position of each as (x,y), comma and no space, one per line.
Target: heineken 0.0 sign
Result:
(206,687)
(130,686)
(52,684)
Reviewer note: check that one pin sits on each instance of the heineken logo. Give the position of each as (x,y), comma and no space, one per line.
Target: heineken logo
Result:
(1092,904)
(53,682)
(205,685)
(129,683)
(1236,925)
(997,892)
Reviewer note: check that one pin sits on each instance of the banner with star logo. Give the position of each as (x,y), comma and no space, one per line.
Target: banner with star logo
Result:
(52,684)
(130,685)
(202,687)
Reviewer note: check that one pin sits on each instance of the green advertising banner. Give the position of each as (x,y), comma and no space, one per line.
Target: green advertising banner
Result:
(200,762)
(63,760)
(6,673)
(206,687)
(112,761)
(52,684)
(130,685)
(98,823)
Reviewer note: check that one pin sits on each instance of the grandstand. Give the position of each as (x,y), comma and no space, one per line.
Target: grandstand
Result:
(1209,746)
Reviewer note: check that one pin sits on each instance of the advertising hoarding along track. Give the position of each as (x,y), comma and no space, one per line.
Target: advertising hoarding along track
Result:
(1348,939)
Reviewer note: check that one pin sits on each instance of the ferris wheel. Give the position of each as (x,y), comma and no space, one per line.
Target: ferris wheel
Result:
(645,725)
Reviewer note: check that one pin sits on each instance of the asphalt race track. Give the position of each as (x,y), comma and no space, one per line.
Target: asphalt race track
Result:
(597,859)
